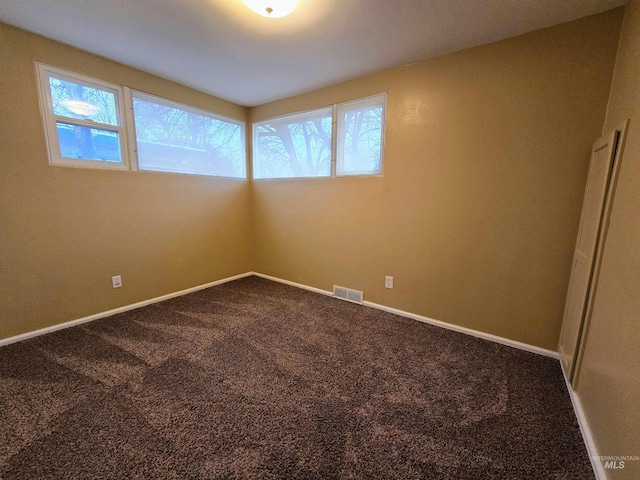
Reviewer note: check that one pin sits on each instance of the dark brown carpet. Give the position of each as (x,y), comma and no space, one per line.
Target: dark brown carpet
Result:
(254,379)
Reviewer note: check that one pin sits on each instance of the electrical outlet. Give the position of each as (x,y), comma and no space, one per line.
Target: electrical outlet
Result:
(116,281)
(388,282)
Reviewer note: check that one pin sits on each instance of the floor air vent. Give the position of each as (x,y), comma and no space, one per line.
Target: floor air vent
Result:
(348,294)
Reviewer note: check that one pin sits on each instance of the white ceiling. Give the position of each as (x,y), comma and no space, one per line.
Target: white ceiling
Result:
(222,48)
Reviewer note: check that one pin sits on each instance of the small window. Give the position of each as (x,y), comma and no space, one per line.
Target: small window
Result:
(360,136)
(82,119)
(175,138)
(293,146)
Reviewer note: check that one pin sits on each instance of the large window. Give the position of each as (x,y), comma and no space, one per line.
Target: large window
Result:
(293,146)
(83,120)
(304,145)
(175,138)
(85,126)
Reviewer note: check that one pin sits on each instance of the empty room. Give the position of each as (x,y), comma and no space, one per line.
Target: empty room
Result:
(304,239)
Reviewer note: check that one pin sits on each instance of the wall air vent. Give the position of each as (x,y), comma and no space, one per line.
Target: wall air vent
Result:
(348,294)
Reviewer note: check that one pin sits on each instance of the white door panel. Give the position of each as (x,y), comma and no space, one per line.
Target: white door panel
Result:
(586,244)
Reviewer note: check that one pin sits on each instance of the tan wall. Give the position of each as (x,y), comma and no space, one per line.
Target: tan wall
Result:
(476,215)
(609,382)
(65,231)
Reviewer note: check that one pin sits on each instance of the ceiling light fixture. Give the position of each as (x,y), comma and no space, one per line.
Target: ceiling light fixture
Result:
(271,8)
(84,109)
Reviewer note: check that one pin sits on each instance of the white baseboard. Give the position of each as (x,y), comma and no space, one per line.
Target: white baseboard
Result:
(108,313)
(294,284)
(467,331)
(598,469)
(430,321)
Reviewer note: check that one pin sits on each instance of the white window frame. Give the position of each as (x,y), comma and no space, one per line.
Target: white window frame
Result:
(337,136)
(148,97)
(342,108)
(290,118)
(44,71)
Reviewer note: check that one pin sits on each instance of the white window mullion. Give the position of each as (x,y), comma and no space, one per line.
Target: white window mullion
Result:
(334,139)
(130,128)
(87,123)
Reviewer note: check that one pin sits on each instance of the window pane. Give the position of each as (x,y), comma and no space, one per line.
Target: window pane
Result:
(74,100)
(172,139)
(360,141)
(88,143)
(294,146)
